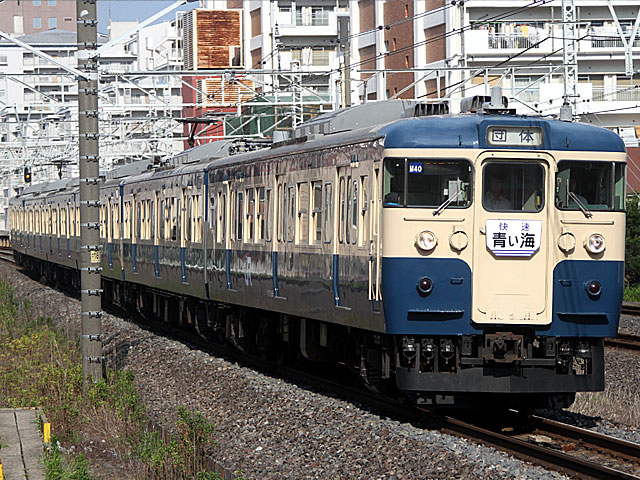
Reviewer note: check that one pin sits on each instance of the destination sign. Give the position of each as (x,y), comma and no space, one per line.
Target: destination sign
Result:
(514,136)
(513,238)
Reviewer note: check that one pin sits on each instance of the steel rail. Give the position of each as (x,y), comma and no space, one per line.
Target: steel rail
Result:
(545,456)
(6,254)
(629,308)
(625,341)
(628,450)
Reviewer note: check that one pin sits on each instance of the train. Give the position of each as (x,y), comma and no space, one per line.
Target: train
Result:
(462,260)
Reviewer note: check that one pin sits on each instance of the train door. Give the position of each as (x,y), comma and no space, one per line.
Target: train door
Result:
(342,278)
(280,229)
(511,239)
(68,228)
(374,239)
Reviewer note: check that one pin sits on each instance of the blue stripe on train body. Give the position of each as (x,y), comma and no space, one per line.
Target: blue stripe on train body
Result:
(469,131)
(446,310)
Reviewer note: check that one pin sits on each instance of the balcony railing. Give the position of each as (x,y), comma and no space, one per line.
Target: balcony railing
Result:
(316,19)
(513,40)
(620,94)
(611,42)
(529,95)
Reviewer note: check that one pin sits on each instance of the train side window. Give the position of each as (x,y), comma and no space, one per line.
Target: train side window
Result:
(316,212)
(138,220)
(394,182)
(251,211)
(328,212)
(223,217)
(173,215)
(260,215)
(63,221)
(268,214)
(620,182)
(342,206)
(212,212)
(282,213)
(189,219)
(354,211)
(152,220)
(220,219)
(349,211)
(290,213)
(178,216)
(161,220)
(198,209)
(303,213)
(239,214)
(364,211)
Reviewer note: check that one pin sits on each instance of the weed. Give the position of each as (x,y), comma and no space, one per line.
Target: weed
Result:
(40,365)
(58,468)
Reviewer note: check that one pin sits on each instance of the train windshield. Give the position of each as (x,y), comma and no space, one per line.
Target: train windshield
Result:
(511,187)
(427,183)
(590,186)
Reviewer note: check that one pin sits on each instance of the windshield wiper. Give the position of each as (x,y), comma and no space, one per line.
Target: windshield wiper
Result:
(446,203)
(583,207)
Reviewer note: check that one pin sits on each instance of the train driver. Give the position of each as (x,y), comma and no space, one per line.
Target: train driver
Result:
(494,199)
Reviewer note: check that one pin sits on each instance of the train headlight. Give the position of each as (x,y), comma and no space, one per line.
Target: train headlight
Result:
(595,243)
(426,240)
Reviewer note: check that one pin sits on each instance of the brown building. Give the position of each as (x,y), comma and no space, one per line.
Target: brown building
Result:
(34,16)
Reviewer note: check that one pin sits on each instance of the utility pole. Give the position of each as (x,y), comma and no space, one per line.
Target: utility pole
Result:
(569,109)
(90,270)
(344,31)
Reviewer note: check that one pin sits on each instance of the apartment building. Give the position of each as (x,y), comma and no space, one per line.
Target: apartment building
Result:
(22,17)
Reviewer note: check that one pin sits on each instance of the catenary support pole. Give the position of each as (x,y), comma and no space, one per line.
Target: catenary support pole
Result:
(89,193)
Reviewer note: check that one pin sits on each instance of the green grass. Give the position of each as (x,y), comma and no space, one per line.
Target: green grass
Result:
(632,294)
(40,365)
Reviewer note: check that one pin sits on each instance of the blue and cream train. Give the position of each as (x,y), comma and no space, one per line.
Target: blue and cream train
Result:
(461,259)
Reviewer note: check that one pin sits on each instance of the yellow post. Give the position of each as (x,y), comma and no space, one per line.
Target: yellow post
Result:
(46,433)
(1,472)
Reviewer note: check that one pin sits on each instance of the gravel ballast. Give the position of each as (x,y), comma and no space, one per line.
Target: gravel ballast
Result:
(269,428)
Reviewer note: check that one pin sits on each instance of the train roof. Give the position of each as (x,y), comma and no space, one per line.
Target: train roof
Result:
(469,131)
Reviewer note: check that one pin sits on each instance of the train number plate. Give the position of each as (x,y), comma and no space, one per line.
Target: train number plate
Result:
(513,238)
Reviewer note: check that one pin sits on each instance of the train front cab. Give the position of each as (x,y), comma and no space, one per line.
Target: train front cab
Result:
(508,294)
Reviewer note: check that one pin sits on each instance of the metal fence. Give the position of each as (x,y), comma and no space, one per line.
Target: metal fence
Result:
(513,40)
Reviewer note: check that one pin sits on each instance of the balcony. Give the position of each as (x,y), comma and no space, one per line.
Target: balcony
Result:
(629,93)
(613,41)
(513,41)
(541,41)
(314,19)
(324,23)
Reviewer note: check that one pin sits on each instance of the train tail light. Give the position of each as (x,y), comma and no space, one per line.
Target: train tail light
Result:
(594,288)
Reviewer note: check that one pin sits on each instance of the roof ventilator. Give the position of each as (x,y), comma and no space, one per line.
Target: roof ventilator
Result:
(496,103)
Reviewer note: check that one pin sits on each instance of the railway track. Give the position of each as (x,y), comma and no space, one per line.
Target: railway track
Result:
(6,255)
(624,341)
(577,452)
(629,308)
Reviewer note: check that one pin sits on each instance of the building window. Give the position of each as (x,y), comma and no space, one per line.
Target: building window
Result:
(36,3)
(37,22)
(53,22)
(52,3)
